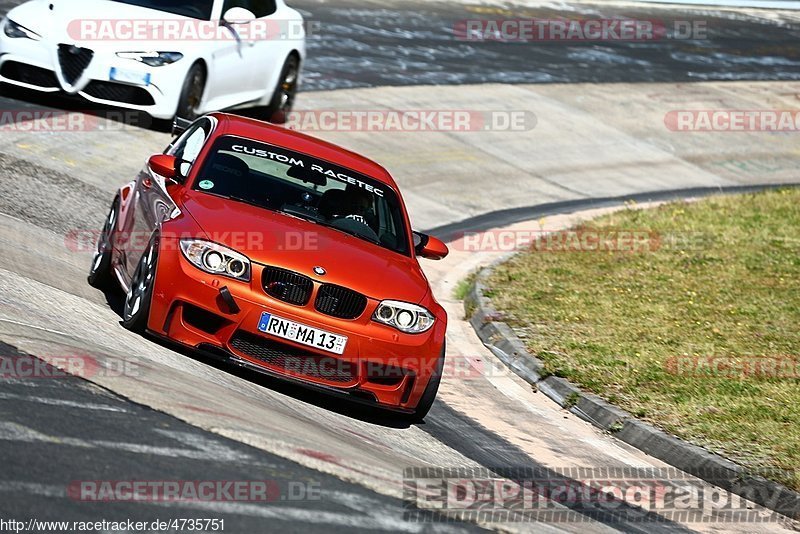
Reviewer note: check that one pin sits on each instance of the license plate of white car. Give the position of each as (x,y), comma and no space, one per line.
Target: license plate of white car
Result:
(129,76)
(300,333)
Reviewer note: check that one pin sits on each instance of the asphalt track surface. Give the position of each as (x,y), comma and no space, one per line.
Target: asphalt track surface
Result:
(363,44)
(54,432)
(375,43)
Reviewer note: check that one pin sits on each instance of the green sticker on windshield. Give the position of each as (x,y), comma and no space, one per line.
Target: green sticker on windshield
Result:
(206,184)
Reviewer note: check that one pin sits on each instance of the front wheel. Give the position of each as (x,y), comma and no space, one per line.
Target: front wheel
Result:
(192,93)
(137,300)
(429,395)
(283,97)
(100,275)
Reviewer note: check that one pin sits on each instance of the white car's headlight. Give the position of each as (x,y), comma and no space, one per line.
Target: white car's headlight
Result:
(216,259)
(153,59)
(18,31)
(406,317)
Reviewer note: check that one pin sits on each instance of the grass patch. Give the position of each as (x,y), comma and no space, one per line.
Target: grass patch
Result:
(724,284)
(463,287)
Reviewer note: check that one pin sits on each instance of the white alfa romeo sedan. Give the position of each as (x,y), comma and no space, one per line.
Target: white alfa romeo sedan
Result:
(169,58)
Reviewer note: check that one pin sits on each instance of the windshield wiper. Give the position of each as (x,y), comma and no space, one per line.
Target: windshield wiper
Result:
(354,234)
(246,201)
(307,218)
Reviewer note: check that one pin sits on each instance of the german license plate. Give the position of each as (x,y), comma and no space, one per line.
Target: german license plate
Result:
(300,333)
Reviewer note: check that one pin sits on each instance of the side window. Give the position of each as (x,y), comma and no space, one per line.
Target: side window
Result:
(260,8)
(189,145)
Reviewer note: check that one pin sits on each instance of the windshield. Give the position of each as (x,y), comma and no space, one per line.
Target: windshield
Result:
(296,184)
(196,10)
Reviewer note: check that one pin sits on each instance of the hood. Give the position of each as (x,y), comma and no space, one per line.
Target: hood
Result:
(271,238)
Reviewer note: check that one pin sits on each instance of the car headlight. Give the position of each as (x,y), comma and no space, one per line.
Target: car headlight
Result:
(216,259)
(408,318)
(153,59)
(18,31)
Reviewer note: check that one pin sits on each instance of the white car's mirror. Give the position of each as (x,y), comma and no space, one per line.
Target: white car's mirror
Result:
(238,15)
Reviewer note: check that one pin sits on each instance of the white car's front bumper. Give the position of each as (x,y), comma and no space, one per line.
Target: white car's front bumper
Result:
(38,65)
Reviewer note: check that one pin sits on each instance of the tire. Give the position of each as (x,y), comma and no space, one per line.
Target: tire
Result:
(429,395)
(284,94)
(100,275)
(192,93)
(136,310)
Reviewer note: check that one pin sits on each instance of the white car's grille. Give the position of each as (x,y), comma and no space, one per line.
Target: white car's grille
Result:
(73,61)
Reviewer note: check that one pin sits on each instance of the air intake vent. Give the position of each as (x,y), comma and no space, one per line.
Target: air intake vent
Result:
(119,92)
(285,358)
(340,302)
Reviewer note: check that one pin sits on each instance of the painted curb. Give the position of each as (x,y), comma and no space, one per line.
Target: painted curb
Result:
(713,468)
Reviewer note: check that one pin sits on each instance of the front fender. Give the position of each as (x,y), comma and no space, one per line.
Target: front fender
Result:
(126,200)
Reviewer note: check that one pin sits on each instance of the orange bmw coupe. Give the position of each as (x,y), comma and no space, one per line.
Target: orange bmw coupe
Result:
(284,254)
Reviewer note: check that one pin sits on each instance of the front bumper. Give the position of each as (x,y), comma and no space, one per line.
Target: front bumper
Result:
(35,65)
(379,365)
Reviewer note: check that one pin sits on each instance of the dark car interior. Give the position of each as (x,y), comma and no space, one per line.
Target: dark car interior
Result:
(308,195)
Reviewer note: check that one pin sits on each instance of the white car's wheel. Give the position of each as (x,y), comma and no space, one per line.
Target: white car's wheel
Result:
(192,93)
(283,97)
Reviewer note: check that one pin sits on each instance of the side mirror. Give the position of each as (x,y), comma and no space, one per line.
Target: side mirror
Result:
(164,165)
(429,247)
(238,15)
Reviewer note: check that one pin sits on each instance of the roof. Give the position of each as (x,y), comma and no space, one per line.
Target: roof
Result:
(300,142)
